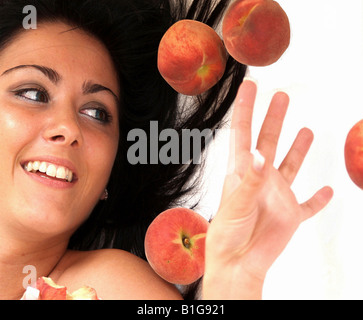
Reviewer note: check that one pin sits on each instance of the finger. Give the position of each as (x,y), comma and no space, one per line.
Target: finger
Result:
(317,202)
(240,139)
(242,113)
(272,125)
(243,200)
(291,165)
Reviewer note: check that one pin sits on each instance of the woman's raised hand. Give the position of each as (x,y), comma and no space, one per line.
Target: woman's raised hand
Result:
(258,213)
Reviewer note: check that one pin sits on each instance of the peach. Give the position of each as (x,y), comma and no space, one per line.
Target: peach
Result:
(191,57)
(353,153)
(175,245)
(49,290)
(256,32)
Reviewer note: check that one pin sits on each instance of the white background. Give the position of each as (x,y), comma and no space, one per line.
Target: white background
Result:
(322,72)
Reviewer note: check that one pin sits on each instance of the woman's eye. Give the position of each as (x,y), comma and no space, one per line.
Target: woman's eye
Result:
(98,114)
(36,95)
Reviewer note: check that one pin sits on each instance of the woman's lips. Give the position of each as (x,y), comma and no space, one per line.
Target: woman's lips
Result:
(53,173)
(50,169)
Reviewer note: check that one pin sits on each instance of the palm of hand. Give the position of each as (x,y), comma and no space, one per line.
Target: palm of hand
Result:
(259,212)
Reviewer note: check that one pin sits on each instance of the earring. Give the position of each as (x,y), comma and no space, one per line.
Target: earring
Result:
(105,195)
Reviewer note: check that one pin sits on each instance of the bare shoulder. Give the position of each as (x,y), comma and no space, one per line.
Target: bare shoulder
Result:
(114,274)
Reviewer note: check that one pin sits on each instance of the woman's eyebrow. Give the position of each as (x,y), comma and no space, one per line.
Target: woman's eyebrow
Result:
(51,74)
(90,87)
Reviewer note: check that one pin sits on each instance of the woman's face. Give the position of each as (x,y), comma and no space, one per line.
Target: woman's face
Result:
(58,128)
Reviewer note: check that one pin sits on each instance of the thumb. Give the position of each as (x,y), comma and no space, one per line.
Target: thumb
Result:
(243,201)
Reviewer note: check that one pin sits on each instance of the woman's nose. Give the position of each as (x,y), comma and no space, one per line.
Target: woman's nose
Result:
(63,127)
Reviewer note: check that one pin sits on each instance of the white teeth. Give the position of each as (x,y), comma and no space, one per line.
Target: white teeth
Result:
(50,170)
(29,167)
(36,165)
(69,176)
(43,167)
(61,173)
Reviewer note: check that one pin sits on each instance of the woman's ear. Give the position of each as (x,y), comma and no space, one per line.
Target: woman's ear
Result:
(104,195)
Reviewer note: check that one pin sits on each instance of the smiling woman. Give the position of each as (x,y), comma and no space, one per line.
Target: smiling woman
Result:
(67,119)
(61,88)
(55,116)
(70,93)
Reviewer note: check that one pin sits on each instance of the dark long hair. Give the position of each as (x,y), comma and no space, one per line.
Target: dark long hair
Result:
(131,30)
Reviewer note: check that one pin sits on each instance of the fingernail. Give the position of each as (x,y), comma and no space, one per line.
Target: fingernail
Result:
(258,161)
(249,78)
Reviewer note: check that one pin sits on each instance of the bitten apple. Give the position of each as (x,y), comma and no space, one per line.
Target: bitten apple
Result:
(175,245)
(256,32)
(353,152)
(191,57)
(47,289)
